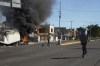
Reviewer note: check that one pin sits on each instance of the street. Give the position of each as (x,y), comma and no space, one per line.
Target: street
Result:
(55,55)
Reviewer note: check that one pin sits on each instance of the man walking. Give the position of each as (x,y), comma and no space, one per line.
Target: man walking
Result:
(83,38)
(48,38)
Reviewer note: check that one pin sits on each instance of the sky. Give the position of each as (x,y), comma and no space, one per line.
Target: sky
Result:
(2,18)
(81,12)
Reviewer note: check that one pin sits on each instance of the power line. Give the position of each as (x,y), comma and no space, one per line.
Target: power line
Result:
(80,10)
(82,21)
(76,10)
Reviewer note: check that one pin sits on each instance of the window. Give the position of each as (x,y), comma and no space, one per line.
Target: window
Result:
(51,30)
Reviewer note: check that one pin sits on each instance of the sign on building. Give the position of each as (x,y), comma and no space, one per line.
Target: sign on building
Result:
(11,3)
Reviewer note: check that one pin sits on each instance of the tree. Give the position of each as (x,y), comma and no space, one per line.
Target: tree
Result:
(94,30)
(80,28)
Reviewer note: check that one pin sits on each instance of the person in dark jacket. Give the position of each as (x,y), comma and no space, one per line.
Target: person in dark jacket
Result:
(48,38)
(83,39)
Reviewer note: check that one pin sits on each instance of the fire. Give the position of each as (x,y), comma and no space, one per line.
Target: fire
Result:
(25,39)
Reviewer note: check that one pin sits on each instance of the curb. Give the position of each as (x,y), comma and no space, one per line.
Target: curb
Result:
(70,43)
(63,44)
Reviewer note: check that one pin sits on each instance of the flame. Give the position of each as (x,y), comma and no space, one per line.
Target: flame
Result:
(25,39)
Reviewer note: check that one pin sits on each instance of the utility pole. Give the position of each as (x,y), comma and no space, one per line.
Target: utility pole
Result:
(11,3)
(71,28)
(59,14)
(71,24)
(59,35)
(90,32)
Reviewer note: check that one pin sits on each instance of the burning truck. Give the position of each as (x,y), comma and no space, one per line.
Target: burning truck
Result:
(12,37)
(24,16)
(9,37)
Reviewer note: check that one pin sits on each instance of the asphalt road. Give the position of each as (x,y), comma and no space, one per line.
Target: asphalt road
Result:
(35,55)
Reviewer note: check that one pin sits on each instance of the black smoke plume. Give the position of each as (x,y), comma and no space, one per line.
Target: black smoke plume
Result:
(31,14)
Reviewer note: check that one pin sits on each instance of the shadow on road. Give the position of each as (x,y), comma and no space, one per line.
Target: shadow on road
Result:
(87,48)
(66,58)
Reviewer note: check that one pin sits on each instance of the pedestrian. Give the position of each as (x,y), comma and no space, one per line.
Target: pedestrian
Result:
(48,39)
(83,39)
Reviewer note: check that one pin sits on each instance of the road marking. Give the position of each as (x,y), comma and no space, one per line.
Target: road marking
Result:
(70,43)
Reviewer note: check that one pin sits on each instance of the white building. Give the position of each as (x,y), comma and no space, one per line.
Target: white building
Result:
(44,30)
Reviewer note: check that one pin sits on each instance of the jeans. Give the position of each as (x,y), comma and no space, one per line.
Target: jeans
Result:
(84,48)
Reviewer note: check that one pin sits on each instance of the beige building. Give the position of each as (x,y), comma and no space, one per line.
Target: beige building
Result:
(44,30)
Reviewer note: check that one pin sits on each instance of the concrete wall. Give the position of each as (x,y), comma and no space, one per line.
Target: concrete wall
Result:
(51,29)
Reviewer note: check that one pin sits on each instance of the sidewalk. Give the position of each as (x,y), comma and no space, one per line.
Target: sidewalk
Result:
(65,42)
(72,42)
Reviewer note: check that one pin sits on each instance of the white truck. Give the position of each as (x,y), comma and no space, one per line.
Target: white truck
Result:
(9,37)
